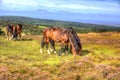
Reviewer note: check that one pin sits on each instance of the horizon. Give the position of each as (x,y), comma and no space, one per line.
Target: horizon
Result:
(105,12)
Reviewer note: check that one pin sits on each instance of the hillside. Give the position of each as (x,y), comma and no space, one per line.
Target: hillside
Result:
(100,59)
(21,59)
(30,23)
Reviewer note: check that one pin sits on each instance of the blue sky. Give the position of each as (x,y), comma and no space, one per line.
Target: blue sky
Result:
(86,11)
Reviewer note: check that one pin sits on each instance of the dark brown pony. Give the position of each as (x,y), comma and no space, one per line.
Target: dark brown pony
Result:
(64,36)
(55,34)
(13,31)
(9,30)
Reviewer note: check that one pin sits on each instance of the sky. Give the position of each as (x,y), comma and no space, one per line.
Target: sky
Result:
(86,11)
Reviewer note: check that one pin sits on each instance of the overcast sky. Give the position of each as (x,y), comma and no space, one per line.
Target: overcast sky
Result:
(87,11)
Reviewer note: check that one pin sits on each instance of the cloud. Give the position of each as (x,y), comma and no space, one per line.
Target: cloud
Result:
(18,4)
(73,6)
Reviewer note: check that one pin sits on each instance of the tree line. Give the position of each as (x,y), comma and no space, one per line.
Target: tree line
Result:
(35,26)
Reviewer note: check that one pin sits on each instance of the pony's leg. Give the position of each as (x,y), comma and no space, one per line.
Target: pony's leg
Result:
(41,50)
(51,50)
(66,48)
(55,51)
(60,51)
(52,46)
(42,46)
(48,51)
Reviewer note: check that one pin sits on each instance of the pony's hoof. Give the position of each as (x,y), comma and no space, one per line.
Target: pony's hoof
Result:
(51,50)
(48,52)
(41,51)
(55,52)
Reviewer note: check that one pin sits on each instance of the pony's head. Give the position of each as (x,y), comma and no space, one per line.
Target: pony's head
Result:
(75,44)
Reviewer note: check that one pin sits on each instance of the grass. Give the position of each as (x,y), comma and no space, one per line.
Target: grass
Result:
(21,60)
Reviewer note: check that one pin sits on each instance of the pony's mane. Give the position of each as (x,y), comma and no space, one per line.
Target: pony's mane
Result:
(74,38)
(75,34)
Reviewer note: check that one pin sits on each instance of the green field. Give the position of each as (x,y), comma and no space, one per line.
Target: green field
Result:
(100,59)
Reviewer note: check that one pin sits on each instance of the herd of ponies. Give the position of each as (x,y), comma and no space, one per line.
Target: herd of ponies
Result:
(67,38)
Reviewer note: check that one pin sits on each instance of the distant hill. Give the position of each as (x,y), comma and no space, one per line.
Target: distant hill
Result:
(28,23)
(28,20)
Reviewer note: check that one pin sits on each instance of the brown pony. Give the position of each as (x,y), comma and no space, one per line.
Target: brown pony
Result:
(17,29)
(64,36)
(9,30)
(13,31)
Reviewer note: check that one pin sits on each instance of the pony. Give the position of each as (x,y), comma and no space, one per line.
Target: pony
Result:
(9,30)
(17,29)
(55,34)
(13,31)
(64,36)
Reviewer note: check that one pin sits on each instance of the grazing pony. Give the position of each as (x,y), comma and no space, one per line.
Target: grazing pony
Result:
(13,31)
(55,34)
(17,29)
(9,30)
(64,36)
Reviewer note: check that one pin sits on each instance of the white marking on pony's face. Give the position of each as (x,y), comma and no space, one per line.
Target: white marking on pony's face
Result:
(41,51)
(48,51)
